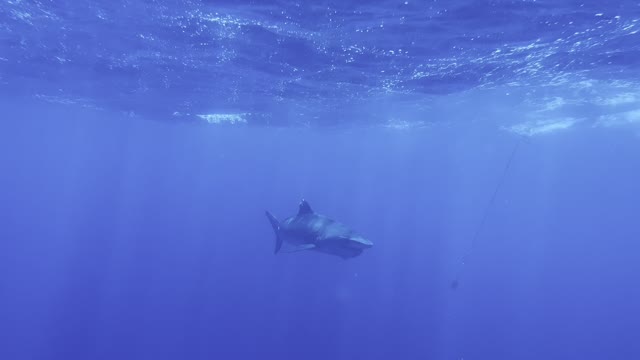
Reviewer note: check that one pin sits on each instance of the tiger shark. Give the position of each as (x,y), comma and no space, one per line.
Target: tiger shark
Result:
(308,230)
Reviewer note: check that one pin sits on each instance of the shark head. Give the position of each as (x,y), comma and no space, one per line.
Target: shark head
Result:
(358,242)
(346,246)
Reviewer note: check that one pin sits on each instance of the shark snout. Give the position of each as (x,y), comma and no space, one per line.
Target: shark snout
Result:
(359,242)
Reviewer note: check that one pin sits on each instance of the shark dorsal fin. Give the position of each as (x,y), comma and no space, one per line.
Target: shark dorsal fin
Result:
(304,208)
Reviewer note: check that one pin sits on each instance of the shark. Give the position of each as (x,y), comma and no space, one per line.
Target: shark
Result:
(308,230)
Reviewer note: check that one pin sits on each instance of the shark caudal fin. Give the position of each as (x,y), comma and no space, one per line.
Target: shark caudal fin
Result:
(276,228)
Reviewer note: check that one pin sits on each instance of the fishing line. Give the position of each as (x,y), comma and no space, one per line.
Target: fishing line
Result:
(505,171)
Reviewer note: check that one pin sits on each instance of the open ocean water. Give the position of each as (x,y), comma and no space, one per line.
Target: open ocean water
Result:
(489,149)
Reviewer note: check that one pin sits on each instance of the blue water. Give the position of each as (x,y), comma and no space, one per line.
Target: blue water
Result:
(494,143)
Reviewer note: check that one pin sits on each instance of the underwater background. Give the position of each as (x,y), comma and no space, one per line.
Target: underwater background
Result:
(492,144)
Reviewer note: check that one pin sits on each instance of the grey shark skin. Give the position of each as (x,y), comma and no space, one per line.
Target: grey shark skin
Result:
(308,230)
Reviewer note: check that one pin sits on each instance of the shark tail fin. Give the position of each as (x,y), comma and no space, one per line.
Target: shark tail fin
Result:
(276,228)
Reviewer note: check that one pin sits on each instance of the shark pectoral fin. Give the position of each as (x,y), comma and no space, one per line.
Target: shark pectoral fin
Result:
(299,248)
